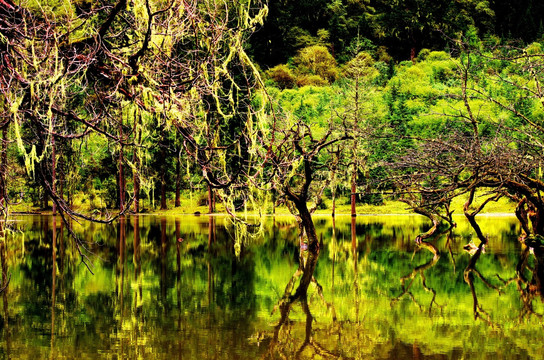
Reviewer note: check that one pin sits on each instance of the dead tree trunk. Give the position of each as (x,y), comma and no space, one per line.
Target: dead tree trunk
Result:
(136,180)
(353,190)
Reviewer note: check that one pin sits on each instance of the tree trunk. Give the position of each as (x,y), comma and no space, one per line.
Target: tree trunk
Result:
(211,202)
(163,192)
(353,191)
(536,220)
(136,180)
(121,172)
(53,172)
(308,224)
(4,166)
(313,248)
(45,199)
(333,204)
(273,202)
(163,177)
(177,202)
(136,172)
(354,149)
(137,164)
(61,185)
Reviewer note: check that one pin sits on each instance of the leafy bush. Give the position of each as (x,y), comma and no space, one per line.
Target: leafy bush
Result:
(311,80)
(316,60)
(282,76)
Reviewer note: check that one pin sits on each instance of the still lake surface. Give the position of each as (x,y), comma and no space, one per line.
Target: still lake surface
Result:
(215,294)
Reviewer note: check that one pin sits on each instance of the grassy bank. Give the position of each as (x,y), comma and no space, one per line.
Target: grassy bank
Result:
(194,204)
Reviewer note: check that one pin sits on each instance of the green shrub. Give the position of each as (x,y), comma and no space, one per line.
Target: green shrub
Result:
(316,60)
(282,76)
(311,80)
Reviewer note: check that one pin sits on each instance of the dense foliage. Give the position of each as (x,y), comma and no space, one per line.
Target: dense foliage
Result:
(400,28)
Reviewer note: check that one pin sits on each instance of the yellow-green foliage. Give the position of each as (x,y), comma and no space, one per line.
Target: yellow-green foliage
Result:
(361,66)
(429,77)
(311,80)
(313,104)
(534,49)
(413,80)
(60,9)
(316,60)
(282,75)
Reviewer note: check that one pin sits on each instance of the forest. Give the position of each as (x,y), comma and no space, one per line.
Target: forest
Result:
(205,106)
(145,144)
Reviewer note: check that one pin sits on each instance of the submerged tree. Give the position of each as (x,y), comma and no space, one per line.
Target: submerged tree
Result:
(490,144)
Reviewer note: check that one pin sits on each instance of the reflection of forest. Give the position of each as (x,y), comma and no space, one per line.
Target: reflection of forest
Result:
(172,286)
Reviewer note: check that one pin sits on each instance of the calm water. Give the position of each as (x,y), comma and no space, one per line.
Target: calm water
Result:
(215,295)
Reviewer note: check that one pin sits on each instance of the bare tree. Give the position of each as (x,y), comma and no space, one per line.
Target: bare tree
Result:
(486,156)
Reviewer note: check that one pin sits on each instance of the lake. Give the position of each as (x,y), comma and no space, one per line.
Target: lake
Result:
(196,287)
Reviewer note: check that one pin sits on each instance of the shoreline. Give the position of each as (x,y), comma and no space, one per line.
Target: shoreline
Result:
(282,214)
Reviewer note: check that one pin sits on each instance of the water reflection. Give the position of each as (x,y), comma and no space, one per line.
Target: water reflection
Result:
(4,321)
(307,261)
(528,280)
(174,288)
(420,270)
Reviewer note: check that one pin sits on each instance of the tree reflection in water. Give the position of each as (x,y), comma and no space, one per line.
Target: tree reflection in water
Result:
(283,341)
(189,296)
(307,261)
(4,320)
(408,280)
(468,275)
(529,278)
(420,270)
(5,276)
